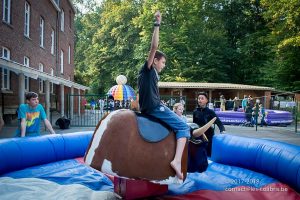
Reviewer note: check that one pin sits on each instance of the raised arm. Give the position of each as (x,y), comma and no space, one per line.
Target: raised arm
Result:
(155,39)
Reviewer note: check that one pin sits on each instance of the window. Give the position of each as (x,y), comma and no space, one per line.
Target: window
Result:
(26,64)
(61,61)
(51,84)
(5,72)
(5,79)
(69,55)
(27,19)
(42,32)
(41,67)
(26,61)
(62,20)
(6,11)
(52,41)
(5,53)
(41,82)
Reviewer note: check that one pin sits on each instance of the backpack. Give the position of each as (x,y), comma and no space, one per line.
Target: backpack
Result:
(63,123)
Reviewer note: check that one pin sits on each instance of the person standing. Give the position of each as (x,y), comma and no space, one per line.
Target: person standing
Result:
(244,103)
(223,102)
(29,115)
(101,105)
(149,98)
(202,114)
(93,105)
(236,104)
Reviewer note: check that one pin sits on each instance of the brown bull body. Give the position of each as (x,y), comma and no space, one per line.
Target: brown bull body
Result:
(118,149)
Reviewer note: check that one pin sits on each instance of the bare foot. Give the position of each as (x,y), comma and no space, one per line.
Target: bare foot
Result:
(177,167)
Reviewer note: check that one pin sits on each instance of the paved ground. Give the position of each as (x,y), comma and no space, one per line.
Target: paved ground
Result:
(284,134)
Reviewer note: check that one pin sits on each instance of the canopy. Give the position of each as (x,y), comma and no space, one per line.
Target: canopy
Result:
(121,92)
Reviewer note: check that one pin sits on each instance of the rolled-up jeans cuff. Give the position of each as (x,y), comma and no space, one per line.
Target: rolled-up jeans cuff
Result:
(183,134)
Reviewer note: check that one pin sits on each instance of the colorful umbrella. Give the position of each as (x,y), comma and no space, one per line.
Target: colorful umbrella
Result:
(121,92)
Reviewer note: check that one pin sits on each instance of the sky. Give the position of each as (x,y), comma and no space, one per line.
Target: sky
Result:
(83,9)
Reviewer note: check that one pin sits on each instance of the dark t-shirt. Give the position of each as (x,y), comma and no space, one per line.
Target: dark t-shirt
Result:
(148,89)
(203,115)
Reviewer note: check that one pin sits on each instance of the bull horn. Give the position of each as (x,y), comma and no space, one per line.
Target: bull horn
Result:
(200,131)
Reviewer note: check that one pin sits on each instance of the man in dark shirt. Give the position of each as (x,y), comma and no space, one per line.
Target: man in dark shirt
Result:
(202,115)
(149,98)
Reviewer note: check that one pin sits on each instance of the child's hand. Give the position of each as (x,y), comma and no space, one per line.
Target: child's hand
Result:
(157,16)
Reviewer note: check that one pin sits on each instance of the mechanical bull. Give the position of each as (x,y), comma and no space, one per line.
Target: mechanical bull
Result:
(125,144)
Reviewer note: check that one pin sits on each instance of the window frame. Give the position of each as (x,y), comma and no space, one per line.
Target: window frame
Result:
(6,11)
(5,79)
(8,53)
(42,34)
(51,83)
(27,20)
(26,61)
(26,79)
(69,54)
(41,82)
(52,41)
(62,20)
(61,61)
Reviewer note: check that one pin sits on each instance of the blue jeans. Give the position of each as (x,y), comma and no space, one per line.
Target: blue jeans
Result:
(172,119)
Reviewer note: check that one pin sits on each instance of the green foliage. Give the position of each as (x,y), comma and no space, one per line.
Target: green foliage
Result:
(247,42)
(283,18)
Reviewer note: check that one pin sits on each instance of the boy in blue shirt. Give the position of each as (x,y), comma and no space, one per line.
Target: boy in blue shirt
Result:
(30,115)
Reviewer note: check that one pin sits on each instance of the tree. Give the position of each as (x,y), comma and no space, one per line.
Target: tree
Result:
(283,19)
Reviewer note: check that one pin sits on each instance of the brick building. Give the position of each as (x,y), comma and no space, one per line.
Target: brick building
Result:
(37,54)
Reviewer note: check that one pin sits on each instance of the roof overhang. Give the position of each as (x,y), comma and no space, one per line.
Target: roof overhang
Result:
(55,5)
(200,85)
(35,74)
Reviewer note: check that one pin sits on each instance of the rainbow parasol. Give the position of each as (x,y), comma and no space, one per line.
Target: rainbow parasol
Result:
(121,92)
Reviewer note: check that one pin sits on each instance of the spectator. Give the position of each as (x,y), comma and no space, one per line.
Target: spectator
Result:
(182,101)
(262,114)
(223,102)
(134,104)
(30,115)
(111,105)
(236,103)
(250,101)
(101,105)
(178,109)
(93,105)
(84,102)
(202,115)
(244,103)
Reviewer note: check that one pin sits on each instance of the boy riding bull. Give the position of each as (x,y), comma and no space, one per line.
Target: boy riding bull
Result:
(149,98)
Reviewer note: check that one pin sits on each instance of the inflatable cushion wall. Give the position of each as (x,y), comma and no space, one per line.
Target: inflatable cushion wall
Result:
(278,160)
(20,153)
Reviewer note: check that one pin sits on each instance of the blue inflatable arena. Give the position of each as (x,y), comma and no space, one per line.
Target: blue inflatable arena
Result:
(51,167)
